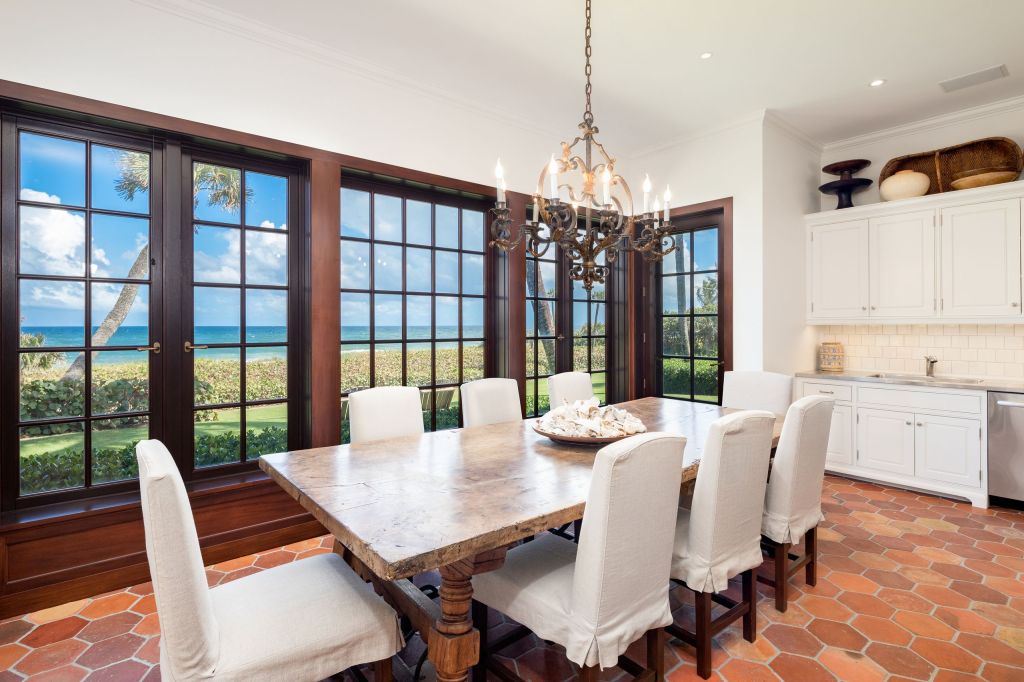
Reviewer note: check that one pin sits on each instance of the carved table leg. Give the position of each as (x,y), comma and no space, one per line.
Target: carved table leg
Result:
(454,646)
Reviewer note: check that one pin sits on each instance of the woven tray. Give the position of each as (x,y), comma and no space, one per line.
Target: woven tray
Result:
(942,164)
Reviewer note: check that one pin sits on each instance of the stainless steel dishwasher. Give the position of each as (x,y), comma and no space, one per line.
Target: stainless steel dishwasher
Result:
(1006,445)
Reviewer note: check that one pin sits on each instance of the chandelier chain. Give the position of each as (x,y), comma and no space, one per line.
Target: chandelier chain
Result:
(588,115)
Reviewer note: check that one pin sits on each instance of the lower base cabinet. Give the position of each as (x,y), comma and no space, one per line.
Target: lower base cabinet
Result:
(948,449)
(885,441)
(925,439)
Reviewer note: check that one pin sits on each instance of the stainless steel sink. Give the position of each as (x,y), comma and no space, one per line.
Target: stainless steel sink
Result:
(896,377)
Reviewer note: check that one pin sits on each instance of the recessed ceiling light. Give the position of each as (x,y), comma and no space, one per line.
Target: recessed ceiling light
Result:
(705,55)
(877,82)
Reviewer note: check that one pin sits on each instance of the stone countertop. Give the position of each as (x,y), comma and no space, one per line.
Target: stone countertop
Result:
(907,379)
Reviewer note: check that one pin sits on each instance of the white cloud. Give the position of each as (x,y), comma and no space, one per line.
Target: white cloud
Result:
(52,241)
(266,258)
(63,295)
(42,197)
(270,225)
(223,267)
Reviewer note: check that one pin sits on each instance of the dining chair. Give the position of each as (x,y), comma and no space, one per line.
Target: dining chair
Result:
(758,391)
(490,401)
(719,537)
(384,412)
(568,387)
(597,597)
(792,507)
(306,620)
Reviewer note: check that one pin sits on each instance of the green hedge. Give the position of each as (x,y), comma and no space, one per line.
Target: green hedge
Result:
(676,377)
(65,468)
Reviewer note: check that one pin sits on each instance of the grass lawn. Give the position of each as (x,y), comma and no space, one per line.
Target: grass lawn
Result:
(227,421)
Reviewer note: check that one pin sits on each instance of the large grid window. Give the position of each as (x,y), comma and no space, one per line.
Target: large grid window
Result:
(412,295)
(590,333)
(240,332)
(82,220)
(689,347)
(542,292)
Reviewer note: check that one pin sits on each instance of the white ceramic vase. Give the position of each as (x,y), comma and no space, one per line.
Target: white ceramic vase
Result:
(904,184)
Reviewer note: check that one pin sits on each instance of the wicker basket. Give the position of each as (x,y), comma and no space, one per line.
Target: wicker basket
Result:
(942,164)
(831,357)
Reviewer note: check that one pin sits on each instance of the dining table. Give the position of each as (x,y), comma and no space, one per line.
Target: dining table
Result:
(454,502)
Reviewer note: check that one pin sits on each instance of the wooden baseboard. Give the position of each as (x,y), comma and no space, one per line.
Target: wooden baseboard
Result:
(230,525)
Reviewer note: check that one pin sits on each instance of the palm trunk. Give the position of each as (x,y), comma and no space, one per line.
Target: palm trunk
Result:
(545,316)
(112,322)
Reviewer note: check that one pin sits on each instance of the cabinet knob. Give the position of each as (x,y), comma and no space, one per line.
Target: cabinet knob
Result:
(863,307)
(874,307)
(1015,304)
(920,424)
(908,424)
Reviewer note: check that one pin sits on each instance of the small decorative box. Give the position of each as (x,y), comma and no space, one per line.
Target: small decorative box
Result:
(831,357)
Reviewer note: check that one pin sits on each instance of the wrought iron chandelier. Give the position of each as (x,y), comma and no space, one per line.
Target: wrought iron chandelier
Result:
(609,224)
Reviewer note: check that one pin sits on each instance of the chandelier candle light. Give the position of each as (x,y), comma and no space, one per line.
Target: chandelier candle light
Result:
(609,225)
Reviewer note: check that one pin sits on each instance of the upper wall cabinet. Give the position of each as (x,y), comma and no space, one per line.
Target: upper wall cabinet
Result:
(902,265)
(839,270)
(954,257)
(981,259)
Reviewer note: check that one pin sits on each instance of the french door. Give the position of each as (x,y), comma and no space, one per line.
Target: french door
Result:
(240,274)
(83,335)
(147,292)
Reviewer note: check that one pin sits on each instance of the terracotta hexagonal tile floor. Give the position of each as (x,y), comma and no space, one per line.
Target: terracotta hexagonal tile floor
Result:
(910,587)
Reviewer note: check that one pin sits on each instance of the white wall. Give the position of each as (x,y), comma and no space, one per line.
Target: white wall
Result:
(220,77)
(791,167)
(725,163)
(1004,118)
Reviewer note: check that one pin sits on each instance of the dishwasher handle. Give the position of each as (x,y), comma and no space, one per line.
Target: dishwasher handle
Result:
(1009,403)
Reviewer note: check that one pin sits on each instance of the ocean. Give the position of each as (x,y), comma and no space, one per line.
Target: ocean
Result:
(138,336)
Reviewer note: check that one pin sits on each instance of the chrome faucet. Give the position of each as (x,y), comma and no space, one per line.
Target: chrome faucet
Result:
(930,362)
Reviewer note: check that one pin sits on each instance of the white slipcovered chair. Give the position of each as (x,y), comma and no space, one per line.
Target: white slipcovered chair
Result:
(490,401)
(758,391)
(720,536)
(385,412)
(568,387)
(792,507)
(598,597)
(301,621)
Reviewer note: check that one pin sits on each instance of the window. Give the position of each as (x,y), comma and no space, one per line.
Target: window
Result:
(542,292)
(690,348)
(240,337)
(590,332)
(413,289)
(79,215)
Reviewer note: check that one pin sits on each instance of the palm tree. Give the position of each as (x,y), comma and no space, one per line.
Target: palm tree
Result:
(224,188)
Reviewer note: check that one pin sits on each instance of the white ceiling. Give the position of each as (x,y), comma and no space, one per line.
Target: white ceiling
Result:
(809,61)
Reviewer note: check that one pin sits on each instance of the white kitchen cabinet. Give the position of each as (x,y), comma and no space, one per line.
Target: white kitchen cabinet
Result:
(948,449)
(838,270)
(840,437)
(981,260)
(902,265)
(885,441)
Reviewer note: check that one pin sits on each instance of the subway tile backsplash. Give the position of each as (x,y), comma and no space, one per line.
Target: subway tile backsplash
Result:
(962,349)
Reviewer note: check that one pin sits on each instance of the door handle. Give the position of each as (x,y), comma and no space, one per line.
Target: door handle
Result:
(155,348)
(189,347)
(1008,403)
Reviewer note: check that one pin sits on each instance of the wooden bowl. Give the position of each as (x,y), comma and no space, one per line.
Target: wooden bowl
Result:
(982,177)
(578,440)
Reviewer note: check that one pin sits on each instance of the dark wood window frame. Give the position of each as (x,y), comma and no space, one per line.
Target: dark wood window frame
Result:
(170,197)
(646,278)
(435,198)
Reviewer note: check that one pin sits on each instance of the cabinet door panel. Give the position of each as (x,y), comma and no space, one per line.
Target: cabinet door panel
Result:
(840,437)
(948,449)
(902,265)
(885,441)
(839,270)
(981,260)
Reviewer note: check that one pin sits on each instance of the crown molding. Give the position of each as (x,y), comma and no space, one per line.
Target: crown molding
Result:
(757,116)
(241,26)
(773,119)
(1009,105)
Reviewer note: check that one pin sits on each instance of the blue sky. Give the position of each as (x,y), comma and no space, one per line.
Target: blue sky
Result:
(52,240)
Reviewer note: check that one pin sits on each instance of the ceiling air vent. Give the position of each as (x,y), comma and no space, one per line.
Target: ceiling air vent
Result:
(977,78)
